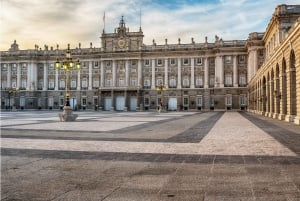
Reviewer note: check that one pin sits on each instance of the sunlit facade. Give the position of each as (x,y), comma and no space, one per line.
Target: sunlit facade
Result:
(125,74)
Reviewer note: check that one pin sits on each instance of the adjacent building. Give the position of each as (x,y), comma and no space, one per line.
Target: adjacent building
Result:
(259,74)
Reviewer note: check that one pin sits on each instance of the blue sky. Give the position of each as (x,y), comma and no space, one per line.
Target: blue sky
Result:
(61,22)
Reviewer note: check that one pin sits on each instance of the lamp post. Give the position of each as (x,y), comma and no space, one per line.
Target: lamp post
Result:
(67,64)
(160,90)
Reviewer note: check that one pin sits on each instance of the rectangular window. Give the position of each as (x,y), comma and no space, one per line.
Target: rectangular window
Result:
(199,61)
(159,82)
(159,62)
(228,59)
(61,101)
(146,101)
(147,62)
(186,82)
(51,84)
(84,101)
(199,101)
(172,83)
(133,82)
(96,64)
(85,64)
(121,82)
(108,82)
(73,84)
(23,83)
(242,59)
(41,84)
(96,83)
(242,100)
(62,84)
(185,61)
(228,80)
(133,62)
(199,82)
(84,83)
(211,81)
(172,62)
(185,101)
(229,100)
(242,80)
(146,83)
(50,101)
(51,66)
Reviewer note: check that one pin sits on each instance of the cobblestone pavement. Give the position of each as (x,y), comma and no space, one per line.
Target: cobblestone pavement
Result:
(149,156)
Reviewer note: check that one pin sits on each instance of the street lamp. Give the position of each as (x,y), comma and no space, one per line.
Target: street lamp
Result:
(67,64)
(160,89)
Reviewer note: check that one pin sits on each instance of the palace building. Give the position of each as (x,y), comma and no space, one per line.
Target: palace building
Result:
(260,74)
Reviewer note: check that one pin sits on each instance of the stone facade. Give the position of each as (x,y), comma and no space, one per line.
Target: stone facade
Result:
(274,90)
(126,74)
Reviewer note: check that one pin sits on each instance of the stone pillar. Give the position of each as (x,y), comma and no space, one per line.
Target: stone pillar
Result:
(206,71)
(29,67)
(102,74)
(179,73)
(90,75)
(219,71)
(126,73)
(192,73)
(34,75)
(45,76)
(19,75)
(235,72)
(8,76)
(271,98)
(140,72)
(153,74)
(114,73)
(56,80)
(78,81)
(166,73)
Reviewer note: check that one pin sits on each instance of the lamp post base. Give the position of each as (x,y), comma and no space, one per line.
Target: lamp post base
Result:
(67,114)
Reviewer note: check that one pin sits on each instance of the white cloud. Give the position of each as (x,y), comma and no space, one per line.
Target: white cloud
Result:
(72,21)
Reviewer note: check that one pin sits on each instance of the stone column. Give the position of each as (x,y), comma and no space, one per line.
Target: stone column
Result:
(102,74)
(126,72)
(206,71)
(29,67)
(8,76)
(179,73)
(192,73)
(78,81)
(235,72)
(90,75)
(219,71)
(19,76)
(114,73)
(140,72)
(153,74)
(45,76)
(271,98)
(166,73)
(56,80)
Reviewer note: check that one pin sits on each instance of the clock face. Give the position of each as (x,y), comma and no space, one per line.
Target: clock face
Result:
(121,43)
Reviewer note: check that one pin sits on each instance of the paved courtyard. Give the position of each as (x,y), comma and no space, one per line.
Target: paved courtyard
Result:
(149,156)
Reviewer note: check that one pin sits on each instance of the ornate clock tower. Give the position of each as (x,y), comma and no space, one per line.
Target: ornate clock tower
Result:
(122,39)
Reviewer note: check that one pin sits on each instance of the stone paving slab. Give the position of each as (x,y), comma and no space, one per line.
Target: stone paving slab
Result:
(237,157)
